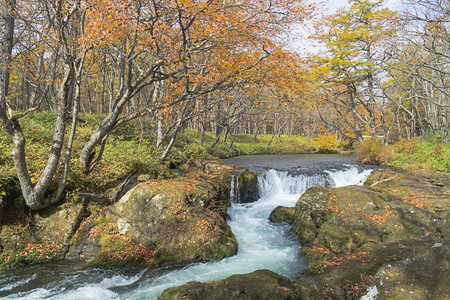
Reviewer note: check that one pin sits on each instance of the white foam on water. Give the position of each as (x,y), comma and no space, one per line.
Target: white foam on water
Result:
(12,283)
(352,175)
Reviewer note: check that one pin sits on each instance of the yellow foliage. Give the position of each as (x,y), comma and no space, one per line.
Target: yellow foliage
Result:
(325,143)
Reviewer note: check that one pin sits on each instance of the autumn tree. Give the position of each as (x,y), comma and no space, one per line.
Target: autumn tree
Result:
(130,59)
(63,19)
(353,64)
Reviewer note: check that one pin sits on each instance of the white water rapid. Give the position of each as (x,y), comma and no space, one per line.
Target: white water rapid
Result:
(262,245)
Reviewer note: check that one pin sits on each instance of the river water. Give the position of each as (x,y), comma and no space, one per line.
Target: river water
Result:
(262,245)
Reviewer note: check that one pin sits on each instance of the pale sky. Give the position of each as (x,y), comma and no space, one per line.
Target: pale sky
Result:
(302,44)
(333,5)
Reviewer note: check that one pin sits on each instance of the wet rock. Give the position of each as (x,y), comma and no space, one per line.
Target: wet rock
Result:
(283,214)
(248,186)
(261,284)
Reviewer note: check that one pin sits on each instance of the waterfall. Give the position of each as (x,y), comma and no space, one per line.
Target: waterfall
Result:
(234,189)
(275,182)
(351,175)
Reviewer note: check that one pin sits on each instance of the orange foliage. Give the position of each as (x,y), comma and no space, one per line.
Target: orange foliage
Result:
(334,206)
(406,146)
(380,219)
(417,203)
(336,261)
(41,251)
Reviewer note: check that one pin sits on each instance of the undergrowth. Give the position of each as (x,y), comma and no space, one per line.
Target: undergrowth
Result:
(426,153)
(131,148)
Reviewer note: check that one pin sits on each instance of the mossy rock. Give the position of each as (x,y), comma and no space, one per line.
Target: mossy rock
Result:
(415,268)
(261,284)
(423,274)
(158,222)
(424,189)
(344,219)
(283,214)
(386,239)
(311,212)
(58,223)
(381,175)
(248,186)
(99,243)
(39,237)
(195,234)
(20,245)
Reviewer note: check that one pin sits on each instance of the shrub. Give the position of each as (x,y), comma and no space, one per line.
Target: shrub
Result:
(325,143)
(196,151)
(221,150)
(406,146)
(371,152)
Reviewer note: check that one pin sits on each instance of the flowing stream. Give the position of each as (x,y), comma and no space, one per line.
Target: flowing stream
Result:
(262,245)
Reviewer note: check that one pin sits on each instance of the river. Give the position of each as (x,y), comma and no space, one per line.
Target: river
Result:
(262,245)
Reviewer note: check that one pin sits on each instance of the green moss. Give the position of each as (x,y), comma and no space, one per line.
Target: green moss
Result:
(247,176)
(261,284)
(315,268)
(283,214)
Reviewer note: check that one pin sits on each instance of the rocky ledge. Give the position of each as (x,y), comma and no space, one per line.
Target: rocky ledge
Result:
(156,222)
(388,239)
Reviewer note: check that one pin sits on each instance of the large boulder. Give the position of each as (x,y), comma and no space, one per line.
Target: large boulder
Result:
(261,284)
(344,219)
(175,221)
(423,272)
(282,214)
(407,269)
(426,190)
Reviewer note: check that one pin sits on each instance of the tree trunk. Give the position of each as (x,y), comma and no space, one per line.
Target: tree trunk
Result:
(174,134)
(75,110)
(159,131)
(233,139)
(445,124)
(356,128)
(5,59)
(225,136)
